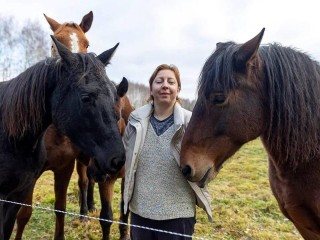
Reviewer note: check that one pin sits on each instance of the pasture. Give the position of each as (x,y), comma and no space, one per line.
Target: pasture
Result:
(243,205)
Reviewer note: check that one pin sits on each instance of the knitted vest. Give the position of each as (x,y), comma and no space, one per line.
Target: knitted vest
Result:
(161,191)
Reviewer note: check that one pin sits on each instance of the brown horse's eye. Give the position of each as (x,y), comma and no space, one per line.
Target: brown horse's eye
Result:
(218,98)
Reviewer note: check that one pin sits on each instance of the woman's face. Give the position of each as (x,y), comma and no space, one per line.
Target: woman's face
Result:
(164,88)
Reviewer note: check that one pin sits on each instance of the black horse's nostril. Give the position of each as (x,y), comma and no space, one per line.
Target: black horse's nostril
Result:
(117,163)
(187,171)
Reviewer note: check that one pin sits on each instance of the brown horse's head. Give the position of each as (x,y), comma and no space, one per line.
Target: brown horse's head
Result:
(228,112)
(71,34)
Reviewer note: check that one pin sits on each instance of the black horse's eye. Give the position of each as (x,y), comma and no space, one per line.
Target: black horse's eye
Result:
(218,98)
(85,98)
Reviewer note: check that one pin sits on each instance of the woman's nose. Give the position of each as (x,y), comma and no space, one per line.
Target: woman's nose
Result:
(164,84)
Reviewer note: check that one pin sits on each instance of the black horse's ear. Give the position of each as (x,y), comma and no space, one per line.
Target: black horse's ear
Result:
(63,51)
(106,56)
(122,87)
(247,52)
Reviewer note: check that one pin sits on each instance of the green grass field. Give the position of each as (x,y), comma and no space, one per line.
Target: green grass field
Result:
(243,205)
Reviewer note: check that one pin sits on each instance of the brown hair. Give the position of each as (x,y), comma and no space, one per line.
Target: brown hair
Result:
(171,67)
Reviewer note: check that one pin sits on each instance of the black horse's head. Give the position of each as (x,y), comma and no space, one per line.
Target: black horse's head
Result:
(83,107)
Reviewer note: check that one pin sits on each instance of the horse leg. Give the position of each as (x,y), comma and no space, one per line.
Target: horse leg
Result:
(123,228)
(2,217)
(90,196)
(10,217)
(61,182)
(106,193)
(11,210)
(24,214)
(84,186)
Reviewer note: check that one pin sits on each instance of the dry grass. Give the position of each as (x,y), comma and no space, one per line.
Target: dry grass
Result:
(243,205)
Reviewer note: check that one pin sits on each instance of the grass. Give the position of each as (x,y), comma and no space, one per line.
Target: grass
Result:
(243,205)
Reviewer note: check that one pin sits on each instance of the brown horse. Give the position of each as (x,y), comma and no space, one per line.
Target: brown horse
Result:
(246,91)
(61,152)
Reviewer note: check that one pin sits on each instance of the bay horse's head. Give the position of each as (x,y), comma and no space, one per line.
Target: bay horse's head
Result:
(123,105)
(70,34)
(228,112)
(83,107)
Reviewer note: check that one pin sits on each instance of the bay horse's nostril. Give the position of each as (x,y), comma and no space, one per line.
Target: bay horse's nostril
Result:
(187,171)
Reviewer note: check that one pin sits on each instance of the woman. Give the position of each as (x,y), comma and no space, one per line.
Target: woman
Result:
(156,192)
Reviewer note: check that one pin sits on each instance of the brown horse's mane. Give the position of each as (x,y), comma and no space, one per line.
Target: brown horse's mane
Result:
(23,101)
(291,87)
(68,24)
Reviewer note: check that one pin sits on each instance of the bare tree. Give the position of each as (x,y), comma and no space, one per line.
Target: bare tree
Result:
(34,42)
(8,49)
(20,47)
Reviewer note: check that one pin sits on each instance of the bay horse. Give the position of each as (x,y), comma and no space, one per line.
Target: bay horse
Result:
(74,93)
(270,91)
(61,153)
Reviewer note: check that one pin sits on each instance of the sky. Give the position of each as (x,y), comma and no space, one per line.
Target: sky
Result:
(179,32)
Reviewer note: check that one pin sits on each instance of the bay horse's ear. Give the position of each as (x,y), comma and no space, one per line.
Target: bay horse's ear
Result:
(247,52)
(86,22)
(106,56)
(54,25)
(63,51)
(122,87)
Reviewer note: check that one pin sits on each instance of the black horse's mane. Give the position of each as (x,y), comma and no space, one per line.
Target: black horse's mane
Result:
(23,100)
(292,89)
(23,97)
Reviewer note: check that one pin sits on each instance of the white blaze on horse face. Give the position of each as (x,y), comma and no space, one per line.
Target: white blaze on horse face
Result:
(74,43)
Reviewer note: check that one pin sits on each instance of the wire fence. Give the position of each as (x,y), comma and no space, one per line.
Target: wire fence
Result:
(100,219)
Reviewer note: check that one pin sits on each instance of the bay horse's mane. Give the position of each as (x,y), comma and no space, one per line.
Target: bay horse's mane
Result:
(23,97)
(291,87)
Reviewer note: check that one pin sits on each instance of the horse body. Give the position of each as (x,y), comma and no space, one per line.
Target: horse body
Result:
(61,153)
(66,92)
(248,91)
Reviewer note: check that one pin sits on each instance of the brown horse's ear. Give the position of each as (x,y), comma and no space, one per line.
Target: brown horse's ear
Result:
(86,22)
(106,56)
(63,51)
(247,52)
(122,87)
(54,25)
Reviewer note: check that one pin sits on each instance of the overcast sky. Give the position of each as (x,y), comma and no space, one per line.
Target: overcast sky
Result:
(182,32)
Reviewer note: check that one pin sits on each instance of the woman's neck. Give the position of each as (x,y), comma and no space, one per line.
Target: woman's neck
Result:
(161,112)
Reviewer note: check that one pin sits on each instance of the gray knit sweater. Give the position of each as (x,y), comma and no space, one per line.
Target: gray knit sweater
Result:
(160,192)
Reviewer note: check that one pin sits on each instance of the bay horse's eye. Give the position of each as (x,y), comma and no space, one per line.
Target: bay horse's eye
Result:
(218,98)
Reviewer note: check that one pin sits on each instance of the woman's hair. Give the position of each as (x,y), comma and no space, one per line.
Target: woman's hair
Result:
(171,67)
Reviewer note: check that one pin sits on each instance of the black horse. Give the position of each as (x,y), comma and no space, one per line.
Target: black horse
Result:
(74,93)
